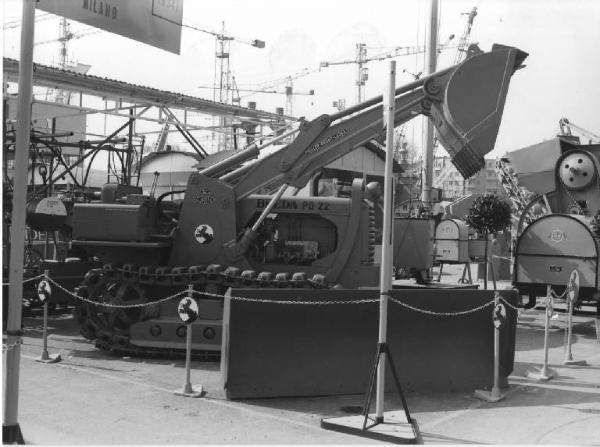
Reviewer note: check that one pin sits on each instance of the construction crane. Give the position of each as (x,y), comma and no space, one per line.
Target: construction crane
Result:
(17,23)
(361,60)
(288,91)
(223,91)
(463,42)
(566,126)
(65,36)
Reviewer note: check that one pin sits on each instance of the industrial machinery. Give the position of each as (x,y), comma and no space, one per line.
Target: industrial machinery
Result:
(567,234)
(229,230)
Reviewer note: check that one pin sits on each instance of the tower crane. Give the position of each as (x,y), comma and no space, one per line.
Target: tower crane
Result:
(289,91)
(361,60)
(65,36)
(463,42)
(223,91)
(17,23)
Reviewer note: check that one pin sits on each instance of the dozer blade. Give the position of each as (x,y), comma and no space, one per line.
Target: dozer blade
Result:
(469,117)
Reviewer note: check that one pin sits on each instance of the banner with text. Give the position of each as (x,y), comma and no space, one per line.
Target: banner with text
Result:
(154,22)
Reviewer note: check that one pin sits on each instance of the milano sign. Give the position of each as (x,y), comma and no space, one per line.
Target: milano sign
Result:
(154,22)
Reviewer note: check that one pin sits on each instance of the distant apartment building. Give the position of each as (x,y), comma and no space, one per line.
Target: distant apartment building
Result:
(448,183)
(453,185)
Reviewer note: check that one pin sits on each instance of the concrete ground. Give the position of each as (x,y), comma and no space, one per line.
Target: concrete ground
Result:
(95,398)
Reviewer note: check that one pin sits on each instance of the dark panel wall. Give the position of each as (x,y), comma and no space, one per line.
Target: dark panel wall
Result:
(280,350)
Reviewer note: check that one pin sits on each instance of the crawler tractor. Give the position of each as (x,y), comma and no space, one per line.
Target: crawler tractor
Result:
(226,232)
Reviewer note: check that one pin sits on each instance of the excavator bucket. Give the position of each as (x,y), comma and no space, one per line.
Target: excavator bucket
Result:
(469,117)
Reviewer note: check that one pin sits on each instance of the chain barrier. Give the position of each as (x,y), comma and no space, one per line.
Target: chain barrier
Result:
(289,302)
(558,297)
(512,306)
(117,306)
(270,301)
(442,314)
(35,278)
(264,300)
(11,346)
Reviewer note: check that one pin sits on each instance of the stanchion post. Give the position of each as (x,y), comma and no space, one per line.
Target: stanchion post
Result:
(572,293)
(397,427)
(544,374)
(549,310)
(44,294)
(188,312)
(498,319)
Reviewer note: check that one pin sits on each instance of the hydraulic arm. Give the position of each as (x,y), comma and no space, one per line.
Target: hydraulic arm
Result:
(465,103)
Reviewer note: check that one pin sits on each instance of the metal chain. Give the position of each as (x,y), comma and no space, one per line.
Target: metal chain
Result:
(512,306)
(264,300)
(442,314)
(35,278)
(558,297)
(11,346)
(117,306)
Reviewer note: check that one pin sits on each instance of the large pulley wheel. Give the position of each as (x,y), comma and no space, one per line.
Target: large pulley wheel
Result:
(577,170)
(533,211)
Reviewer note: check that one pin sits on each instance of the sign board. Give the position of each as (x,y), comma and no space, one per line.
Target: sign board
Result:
(154,22)
(499,316)
(43,291)
(188,310)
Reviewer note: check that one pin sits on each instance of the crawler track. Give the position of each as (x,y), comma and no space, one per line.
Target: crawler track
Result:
(138,287)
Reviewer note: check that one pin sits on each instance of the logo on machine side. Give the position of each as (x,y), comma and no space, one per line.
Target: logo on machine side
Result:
(557,235)
(330,139)
(204,234)
(205,197)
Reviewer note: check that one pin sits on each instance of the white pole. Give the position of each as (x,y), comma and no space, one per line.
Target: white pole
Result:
(387,237)
(549,309)
(496,386)
(187,388)
(431,56)
(569,354)
(17,233)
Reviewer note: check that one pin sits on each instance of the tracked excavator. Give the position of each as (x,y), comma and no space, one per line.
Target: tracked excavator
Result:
(229,230)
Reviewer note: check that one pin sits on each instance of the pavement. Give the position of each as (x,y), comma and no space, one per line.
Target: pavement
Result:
(92,398)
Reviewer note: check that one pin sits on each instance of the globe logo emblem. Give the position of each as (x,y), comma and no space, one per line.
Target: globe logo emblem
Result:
(204,234)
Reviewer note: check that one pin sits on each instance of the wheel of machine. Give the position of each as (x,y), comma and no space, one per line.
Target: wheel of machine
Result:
(104,321)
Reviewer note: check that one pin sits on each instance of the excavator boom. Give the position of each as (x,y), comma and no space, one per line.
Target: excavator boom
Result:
(465,103)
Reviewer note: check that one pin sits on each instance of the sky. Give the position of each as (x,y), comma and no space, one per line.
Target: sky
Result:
(560,79)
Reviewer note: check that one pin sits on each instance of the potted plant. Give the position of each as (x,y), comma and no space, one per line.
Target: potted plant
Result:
(488,214)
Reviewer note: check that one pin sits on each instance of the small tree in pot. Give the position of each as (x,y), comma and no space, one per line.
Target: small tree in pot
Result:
(488,214)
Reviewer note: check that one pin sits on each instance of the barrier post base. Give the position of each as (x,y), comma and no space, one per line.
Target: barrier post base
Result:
(11,434)
(45,358)
(489,396)
(394,428)
(575,362)
(542,375)
(189,391)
